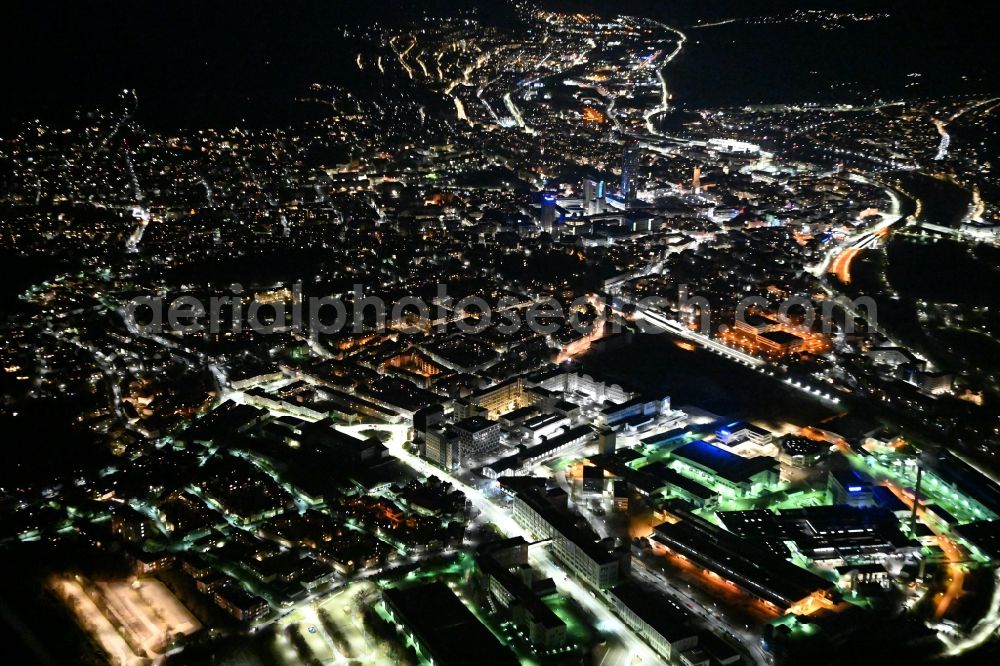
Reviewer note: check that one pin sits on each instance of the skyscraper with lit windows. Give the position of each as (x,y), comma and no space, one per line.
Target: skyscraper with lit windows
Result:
(630,168)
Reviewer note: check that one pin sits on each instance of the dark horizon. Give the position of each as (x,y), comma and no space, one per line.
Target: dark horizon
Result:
(225,64)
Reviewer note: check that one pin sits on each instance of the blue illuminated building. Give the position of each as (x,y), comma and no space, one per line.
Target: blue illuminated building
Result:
(850,487)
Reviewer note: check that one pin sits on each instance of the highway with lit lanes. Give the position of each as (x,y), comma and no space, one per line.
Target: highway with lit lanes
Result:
(664,104)
(837,260)
(862,239)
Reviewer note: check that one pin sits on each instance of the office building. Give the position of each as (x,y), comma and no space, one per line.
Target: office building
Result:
(593,196)
(630,171)
(641,409)
(542,426)
(442,447)
(505,575)
(477,436)
(739,432)
(798,451)
(520,462)
(850,487)
(544,514)
(575,386)
(548,212)
(661,622)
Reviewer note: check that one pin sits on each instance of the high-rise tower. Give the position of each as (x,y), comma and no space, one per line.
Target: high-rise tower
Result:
(593,196)
(548,212)
(630,168)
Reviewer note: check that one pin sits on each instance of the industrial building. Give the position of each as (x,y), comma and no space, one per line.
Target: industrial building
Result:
(642,408)
(516,464)
(949,472)
(830,534)
(442,629)
(738,432)
(730,474)
(753,569)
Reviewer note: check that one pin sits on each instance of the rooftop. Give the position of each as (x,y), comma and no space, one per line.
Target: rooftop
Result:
(736,559)
(445,627)
(723,463)
(664,616)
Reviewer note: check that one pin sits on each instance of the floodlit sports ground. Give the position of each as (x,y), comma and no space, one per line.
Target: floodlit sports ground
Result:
(339,640)
(128,619)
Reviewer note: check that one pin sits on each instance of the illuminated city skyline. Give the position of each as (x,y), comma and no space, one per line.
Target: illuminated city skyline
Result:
(527,332)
